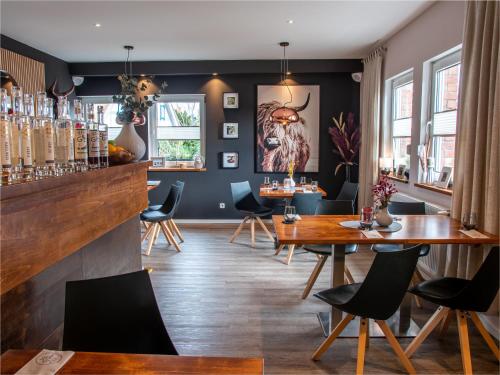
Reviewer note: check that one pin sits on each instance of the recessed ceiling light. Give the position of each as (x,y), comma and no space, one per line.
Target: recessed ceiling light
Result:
(97,24)
(289,21)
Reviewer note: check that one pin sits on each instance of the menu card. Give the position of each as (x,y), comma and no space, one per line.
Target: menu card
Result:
(47,362)
(473,233)
(371,234)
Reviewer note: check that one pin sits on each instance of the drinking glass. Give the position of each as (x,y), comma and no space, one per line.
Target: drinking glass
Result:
(275,184)
(366,218)
(303,180)
(266,181)
(469,220)
(289,214)
(286,183)
(314,185)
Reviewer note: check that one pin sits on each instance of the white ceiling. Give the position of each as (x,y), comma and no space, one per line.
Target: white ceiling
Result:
(204,30)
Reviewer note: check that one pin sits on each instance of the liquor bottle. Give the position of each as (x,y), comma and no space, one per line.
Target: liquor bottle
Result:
(81,152)
(38,135)
(15,124)
(64,139)
(48,137)
(103,138)
(27,149)
(5,139)
(93,138)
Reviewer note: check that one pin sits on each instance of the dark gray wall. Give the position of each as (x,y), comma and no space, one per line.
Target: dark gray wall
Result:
(204,190)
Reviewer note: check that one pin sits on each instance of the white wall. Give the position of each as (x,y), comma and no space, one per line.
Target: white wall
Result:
(438,29)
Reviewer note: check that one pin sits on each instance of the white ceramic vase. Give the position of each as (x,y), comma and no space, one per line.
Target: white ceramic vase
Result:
(383,217)
(130,140)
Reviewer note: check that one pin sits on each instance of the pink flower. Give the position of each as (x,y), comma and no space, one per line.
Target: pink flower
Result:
(383,191)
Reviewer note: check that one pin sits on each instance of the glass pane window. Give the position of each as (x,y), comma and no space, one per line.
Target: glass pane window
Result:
(400,146)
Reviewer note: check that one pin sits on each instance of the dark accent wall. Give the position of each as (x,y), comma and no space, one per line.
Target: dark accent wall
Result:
(54,68)
(204,190)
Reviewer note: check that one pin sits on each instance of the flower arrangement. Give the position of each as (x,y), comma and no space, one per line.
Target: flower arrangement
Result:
(291,167)
(346,138)
(383,191)
(133,104)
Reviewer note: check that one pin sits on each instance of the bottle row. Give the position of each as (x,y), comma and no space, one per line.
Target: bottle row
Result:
(34,145)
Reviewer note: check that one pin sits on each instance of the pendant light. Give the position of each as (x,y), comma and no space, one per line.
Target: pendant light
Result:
(284,115)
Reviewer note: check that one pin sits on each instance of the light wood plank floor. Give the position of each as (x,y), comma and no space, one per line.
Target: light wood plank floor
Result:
(222,299)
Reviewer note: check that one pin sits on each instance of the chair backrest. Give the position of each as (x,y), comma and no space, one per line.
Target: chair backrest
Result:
(180,184)
(385,284)
(407,208)
(243,197)
(479,294)
(305,203)
(348,192)
(170,204)
(334,207)
(116,314)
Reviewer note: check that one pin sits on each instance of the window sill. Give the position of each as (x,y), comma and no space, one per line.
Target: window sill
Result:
(434,188)
(398,179)
(176,169)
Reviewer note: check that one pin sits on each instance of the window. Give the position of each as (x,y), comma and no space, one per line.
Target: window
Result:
(401,113)
(177,127)
(110,110)
(443,110)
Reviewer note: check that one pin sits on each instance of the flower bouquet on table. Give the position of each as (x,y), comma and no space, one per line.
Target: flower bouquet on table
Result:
(382,193)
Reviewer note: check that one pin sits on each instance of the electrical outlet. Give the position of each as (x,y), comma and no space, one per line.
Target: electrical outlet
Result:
(222,205)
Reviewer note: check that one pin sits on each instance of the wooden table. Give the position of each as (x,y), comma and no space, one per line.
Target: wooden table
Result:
(417,229)
(117,363)
(153,184)
(281,193)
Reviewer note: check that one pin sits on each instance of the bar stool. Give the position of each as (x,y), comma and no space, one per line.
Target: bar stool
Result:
(465,298)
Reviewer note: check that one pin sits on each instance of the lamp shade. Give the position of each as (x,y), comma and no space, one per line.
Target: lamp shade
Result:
(284,115)
(385,163)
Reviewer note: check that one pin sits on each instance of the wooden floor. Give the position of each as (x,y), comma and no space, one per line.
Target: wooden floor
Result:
(222,299)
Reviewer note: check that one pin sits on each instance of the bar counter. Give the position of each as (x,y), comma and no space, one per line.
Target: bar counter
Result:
(77,226)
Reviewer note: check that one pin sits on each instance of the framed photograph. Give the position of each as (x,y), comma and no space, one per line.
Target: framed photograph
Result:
(275,148)
(400,173)
(444,178)
(158,161)
(230,130)
(231,100)
(229,160)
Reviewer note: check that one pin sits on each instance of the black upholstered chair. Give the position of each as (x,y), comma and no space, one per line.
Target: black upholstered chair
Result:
(464,298)
(377,298)
(348,192)
(160,219)
(329,207)
(116,314)
(245,202)
(305,203)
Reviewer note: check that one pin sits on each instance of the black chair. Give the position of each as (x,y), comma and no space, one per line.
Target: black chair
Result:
(378,298)
(116,314)
(329,207)
(245,202)
(160,219)
(305,203)
(348,192)
(465,298)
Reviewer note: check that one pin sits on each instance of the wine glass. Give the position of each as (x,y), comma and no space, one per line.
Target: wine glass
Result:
(289,214)
(275,184)
(303,180)
(266,181)
(366,218)
(469,220)
(314,185)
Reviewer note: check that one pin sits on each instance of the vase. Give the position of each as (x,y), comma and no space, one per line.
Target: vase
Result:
(383,218)
(131,141)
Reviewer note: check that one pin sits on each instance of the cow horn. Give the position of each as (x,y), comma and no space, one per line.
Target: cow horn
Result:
(303,106)
(56,93)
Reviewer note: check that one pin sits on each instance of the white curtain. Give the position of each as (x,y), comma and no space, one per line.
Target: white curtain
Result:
(371,86)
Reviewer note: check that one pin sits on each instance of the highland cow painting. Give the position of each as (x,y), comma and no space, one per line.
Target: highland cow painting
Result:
(277,145)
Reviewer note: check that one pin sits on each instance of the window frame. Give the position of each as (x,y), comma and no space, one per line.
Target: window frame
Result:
(152,126)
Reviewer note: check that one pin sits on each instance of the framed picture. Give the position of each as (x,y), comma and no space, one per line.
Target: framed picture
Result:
(231,100)
(158,161)
(230,160)
(275,149)
(400,173)
(230,130)
(444,178)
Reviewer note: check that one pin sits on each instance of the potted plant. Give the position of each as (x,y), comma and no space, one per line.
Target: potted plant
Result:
(382,193)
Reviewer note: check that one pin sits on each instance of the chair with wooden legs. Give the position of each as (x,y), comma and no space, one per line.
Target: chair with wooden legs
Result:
(160,220)
(245,202)
(463,298)
(406,208)
(329,207)
(378,298)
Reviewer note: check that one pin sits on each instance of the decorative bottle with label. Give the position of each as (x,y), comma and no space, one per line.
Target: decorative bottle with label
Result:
(5,139)
(48,137)
(64,139)
(15,124)
(27,149)
(93,138)
(103,138)
(81,151)
(38,136)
